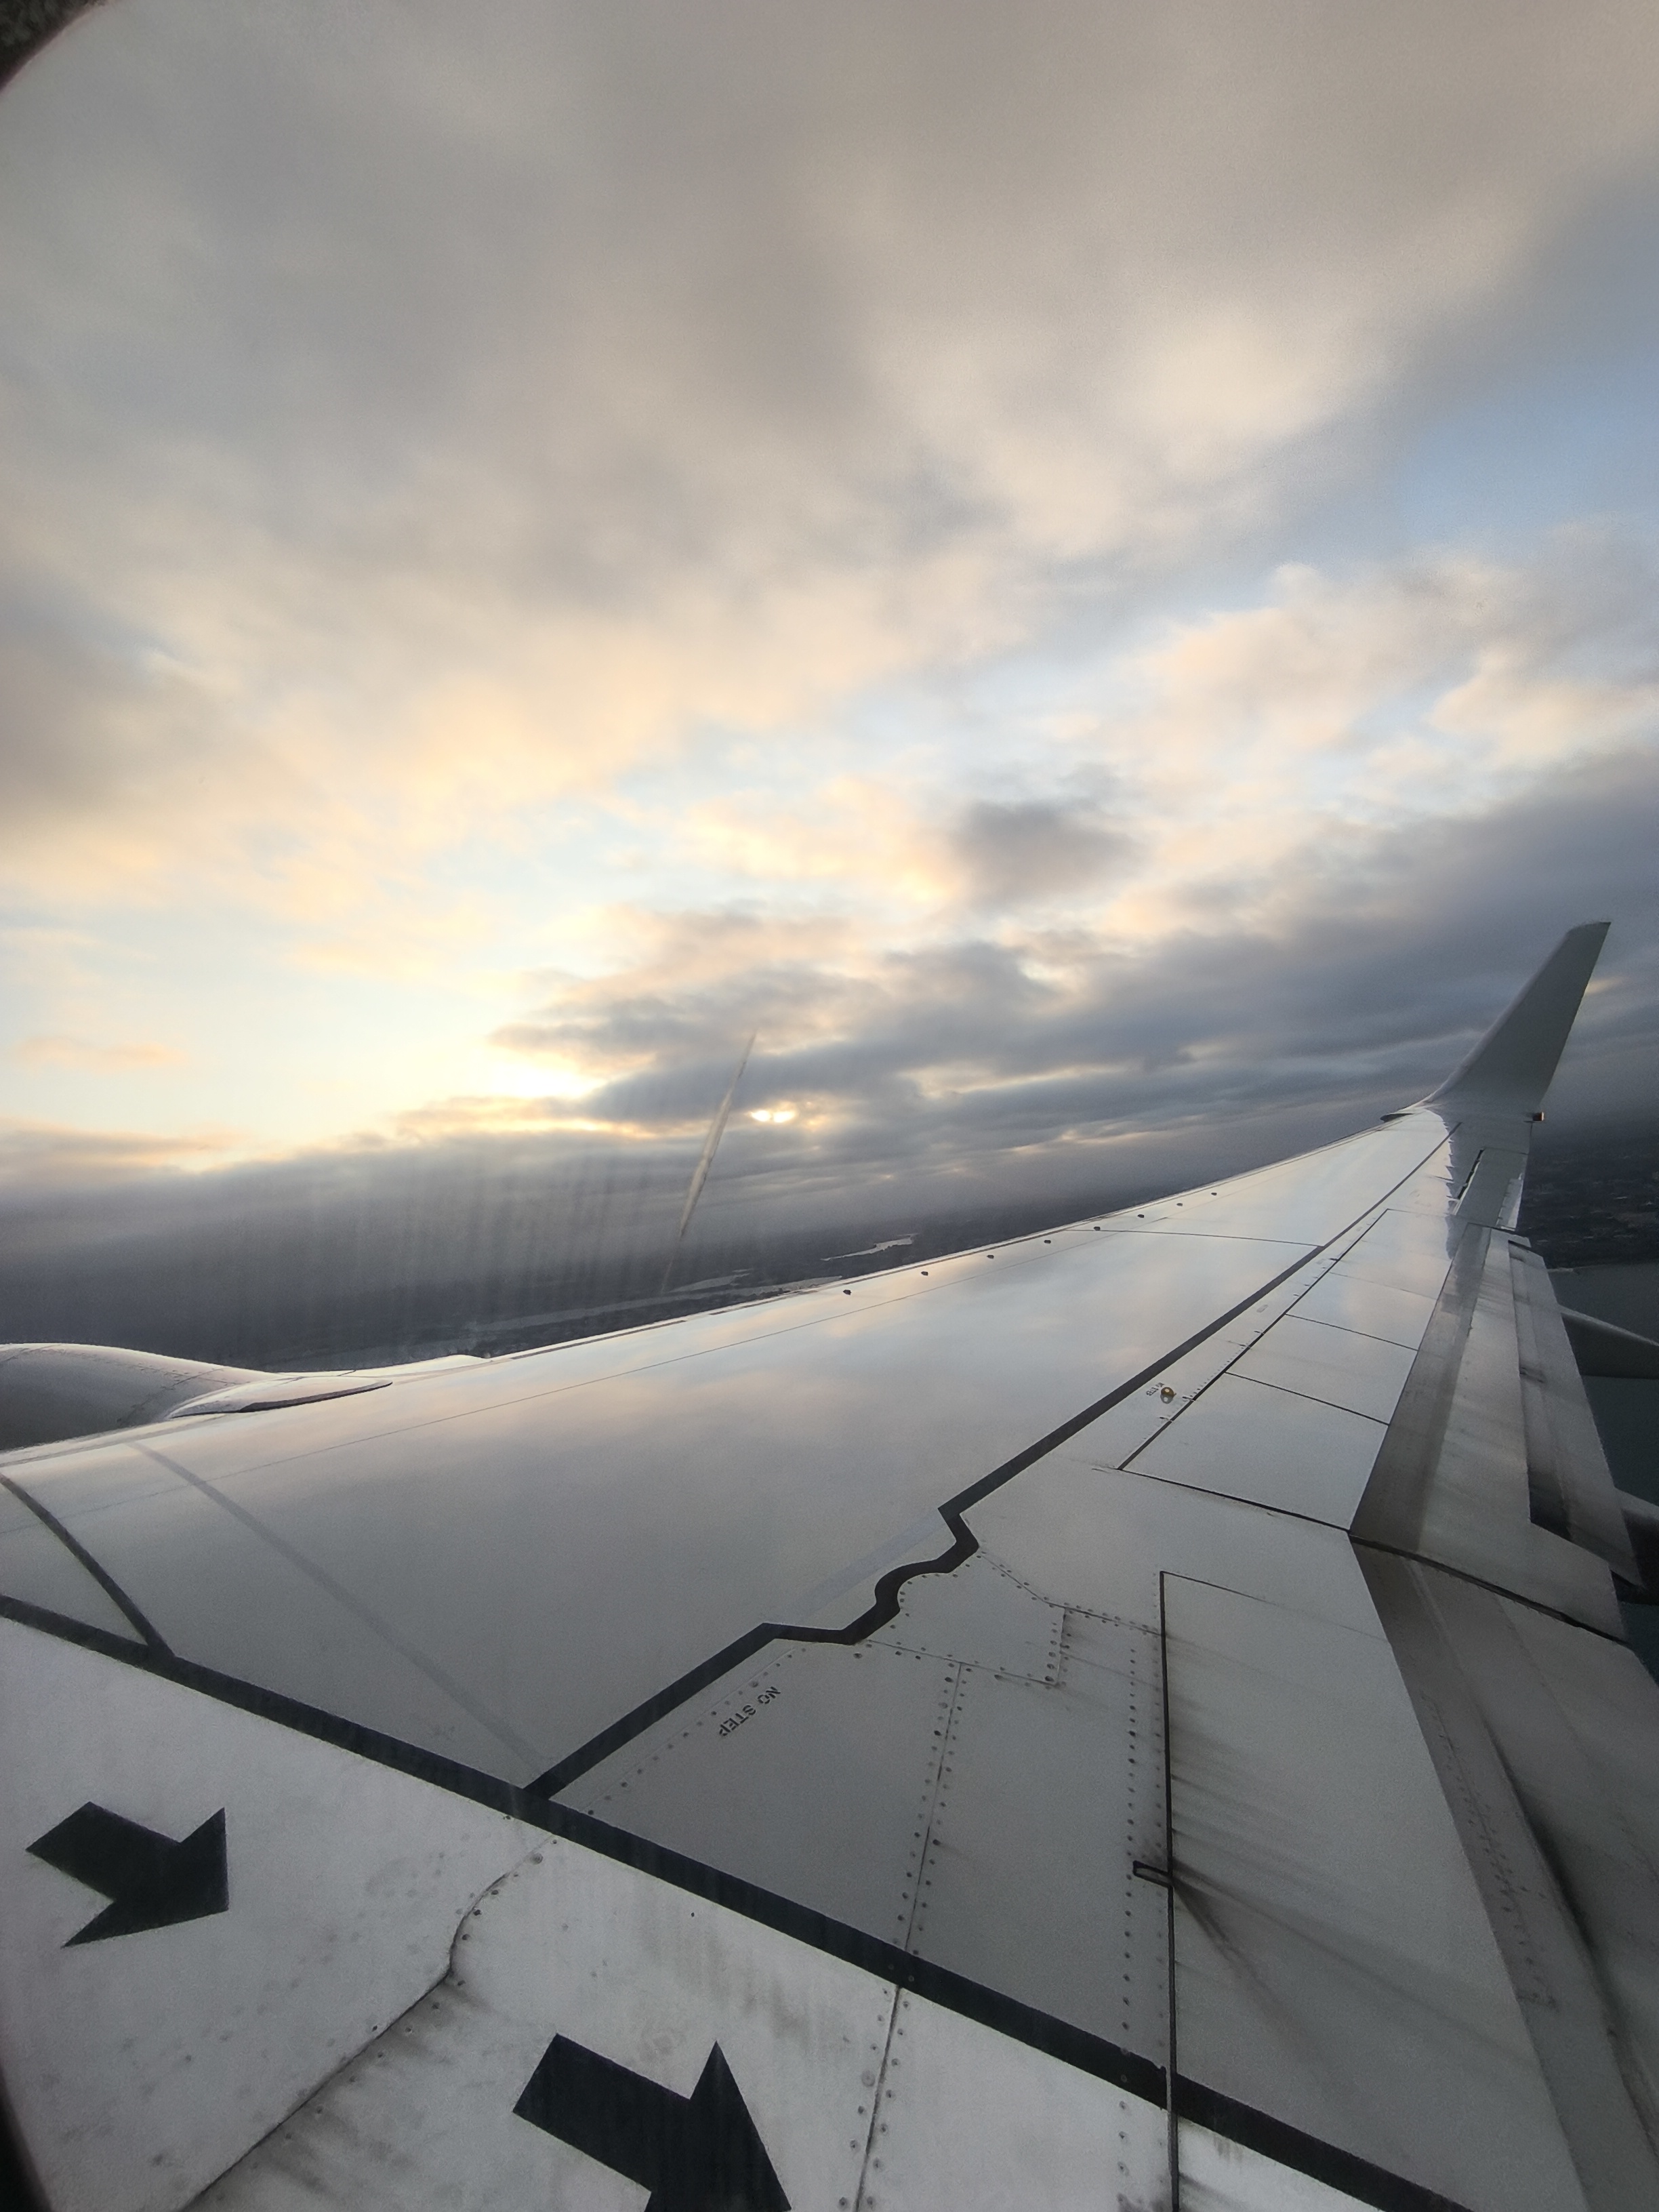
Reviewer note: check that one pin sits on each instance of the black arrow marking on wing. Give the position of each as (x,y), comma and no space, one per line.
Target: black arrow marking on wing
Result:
(151,1881)
(697,2153)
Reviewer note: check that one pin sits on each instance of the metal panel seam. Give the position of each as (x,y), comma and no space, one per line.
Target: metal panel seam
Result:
(1392,1507)
(1127,2070)
(1555,1985)
(888,1589)
(885,1605)
(83,1557)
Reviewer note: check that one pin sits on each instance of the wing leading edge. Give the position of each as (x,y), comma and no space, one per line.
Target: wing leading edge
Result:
(1144,1708)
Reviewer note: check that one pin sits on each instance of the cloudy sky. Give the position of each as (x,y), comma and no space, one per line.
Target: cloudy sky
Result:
(1082,569)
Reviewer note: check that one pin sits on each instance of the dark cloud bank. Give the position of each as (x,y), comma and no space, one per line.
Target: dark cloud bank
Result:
(957,1099)
(490,1245)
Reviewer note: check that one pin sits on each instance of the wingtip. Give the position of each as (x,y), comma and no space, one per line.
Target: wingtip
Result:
(1511,1068)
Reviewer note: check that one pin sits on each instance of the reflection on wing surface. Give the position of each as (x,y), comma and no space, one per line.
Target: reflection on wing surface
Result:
(500,1561)
(1143,1710)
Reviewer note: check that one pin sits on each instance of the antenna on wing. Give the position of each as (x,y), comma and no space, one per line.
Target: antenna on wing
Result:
(710,1146)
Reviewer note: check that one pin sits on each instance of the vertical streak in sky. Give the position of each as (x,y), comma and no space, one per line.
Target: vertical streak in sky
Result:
(710,1146)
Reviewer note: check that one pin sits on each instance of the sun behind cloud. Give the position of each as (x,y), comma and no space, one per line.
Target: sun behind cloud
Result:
(875,525)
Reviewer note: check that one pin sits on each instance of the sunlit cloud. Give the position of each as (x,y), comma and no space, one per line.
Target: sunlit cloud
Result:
(866,525)
(662,462)
(505,1076)
(37,1154)
(81,1053)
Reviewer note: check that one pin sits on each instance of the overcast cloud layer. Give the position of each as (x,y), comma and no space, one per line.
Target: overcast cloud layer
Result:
(1086,571)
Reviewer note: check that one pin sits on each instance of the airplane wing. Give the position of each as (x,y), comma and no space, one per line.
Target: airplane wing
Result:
(1136,1716)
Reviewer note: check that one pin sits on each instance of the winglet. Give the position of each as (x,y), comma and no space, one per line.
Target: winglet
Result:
(1509,1069)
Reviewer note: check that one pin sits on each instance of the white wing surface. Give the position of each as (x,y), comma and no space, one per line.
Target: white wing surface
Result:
(1136,1716)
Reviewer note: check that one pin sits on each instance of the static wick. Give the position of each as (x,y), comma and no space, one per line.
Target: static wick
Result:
(710,1146)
